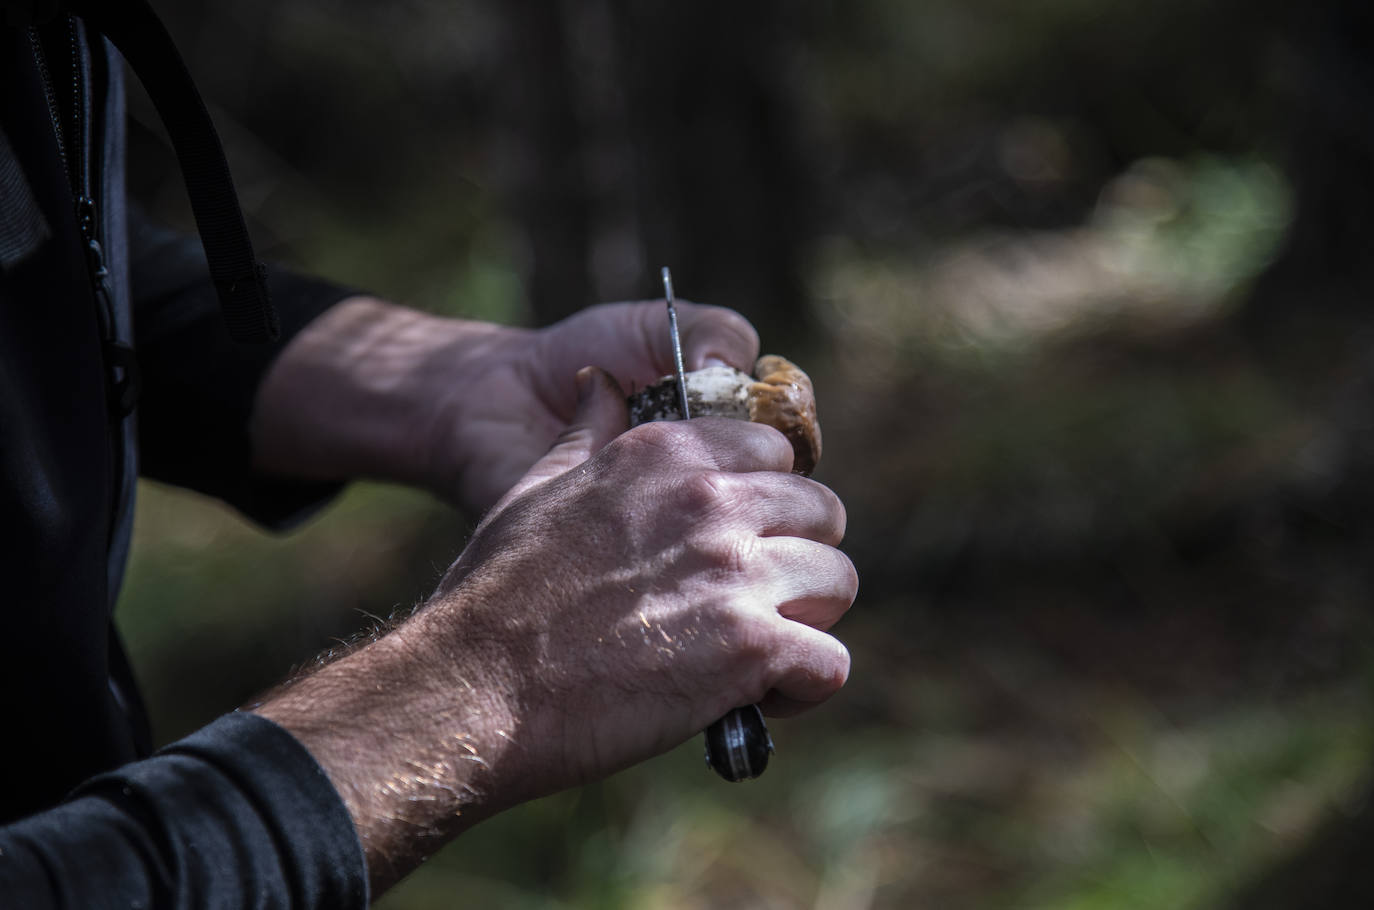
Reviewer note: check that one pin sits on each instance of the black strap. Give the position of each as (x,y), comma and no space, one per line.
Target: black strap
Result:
(240,280)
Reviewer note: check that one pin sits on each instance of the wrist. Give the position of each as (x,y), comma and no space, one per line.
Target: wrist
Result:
(359,391)
(414,742)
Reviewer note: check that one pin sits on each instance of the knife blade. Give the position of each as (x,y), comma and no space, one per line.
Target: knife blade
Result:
(738,745)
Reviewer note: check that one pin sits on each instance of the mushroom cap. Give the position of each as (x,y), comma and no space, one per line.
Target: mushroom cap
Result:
(779,394)
(784,398)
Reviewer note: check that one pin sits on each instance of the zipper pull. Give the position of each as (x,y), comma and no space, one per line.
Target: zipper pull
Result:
(121,363)
(95,266)
(95,255)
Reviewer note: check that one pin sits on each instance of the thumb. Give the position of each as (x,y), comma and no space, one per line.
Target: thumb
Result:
(601,416)
(713,335)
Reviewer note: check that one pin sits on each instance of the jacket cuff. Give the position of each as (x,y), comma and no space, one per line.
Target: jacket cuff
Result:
(199,386)
(241,803)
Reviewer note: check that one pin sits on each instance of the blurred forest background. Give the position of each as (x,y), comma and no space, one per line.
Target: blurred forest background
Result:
(1085,289)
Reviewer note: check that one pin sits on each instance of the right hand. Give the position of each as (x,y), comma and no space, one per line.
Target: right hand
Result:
(635,586)
(631,588)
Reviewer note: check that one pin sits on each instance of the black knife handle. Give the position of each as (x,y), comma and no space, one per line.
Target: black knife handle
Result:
(738,745)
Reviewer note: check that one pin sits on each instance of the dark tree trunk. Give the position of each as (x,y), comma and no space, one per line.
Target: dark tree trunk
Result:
(720,186)
(1325,271)
(543,159)
(649,134)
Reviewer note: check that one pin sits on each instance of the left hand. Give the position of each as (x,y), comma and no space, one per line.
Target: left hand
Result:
(461,408)
(516,405)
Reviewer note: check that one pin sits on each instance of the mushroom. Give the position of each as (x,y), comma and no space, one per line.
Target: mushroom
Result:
(778,394)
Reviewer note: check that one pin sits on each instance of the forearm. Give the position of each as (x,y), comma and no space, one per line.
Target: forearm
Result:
(360,392)
(416,737)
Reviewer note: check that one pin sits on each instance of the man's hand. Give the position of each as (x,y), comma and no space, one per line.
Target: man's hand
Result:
(518,420)
(460,408)
(629,589)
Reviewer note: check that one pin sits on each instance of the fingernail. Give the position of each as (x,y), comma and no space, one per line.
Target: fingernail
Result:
(713,362)
(584,384)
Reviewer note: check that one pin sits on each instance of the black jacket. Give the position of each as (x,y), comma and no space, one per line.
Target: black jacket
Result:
(238,814)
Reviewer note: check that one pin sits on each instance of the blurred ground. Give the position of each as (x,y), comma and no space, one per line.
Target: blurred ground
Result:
(1093,394)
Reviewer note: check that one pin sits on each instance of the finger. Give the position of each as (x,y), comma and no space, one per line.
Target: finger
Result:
(723,443)
(631,341)
(712,336)
(774,705)
(824,581)
(600,417)
(810,668)
(776,504)
(806,582)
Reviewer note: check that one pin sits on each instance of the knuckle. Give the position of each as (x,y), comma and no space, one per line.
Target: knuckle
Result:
(708,492)
(740,551)
(654,442)
(654,435)
(747,636)
(731,555)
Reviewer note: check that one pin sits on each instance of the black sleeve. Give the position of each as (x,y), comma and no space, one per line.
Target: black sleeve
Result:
(236,815)
(198,384)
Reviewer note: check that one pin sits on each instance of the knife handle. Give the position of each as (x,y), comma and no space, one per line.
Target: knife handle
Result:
(738,745)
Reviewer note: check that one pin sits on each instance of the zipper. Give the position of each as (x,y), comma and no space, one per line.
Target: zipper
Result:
(74,142)
(81,108)
(74,146)
(50,93)
(87,212)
